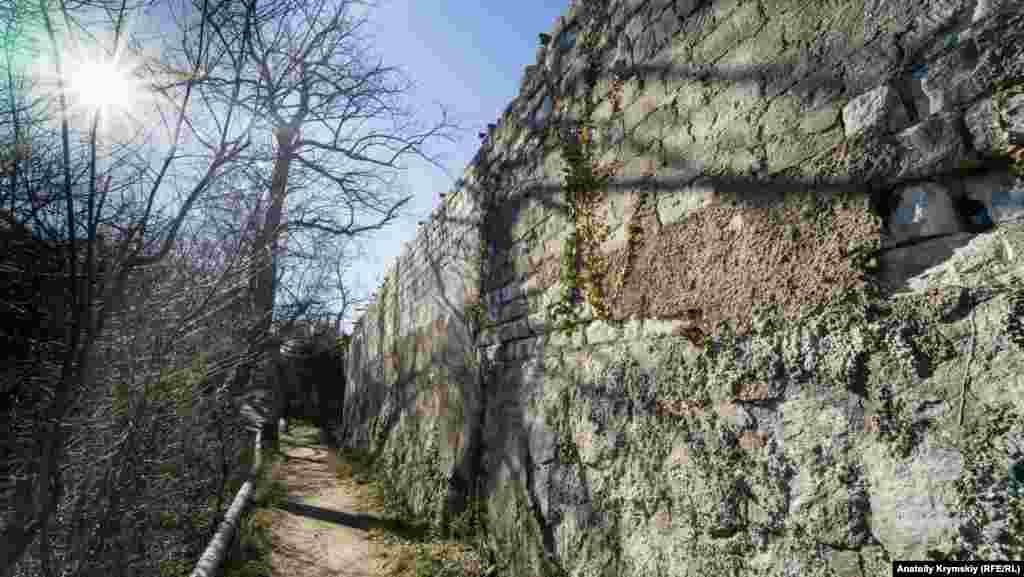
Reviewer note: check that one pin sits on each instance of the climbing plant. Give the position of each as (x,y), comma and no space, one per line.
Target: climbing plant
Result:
(1014,147)
(582,265)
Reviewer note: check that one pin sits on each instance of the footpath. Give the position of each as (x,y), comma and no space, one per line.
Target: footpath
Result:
(329,522)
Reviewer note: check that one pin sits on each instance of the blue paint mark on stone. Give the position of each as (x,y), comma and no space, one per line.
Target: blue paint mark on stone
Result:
(1008,199)
(905,214)
(567,40)
(919,71)
(981,217)
(1001,198)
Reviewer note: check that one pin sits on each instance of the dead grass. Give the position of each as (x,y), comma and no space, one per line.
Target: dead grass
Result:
(404,547)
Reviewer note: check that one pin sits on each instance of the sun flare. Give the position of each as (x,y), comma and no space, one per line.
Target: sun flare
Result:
(98,85)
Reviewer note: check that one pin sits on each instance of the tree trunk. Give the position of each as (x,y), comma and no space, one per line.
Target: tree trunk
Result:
(264,287)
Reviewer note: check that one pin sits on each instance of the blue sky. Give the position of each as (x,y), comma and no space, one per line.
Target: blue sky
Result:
(468,56)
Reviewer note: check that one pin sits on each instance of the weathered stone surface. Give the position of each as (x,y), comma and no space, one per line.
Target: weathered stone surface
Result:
(908,501)
(1000,193)
(980,119)
(810,439)
(819,120)
(869,68)
(973,260)
(924,209)
(674,207)
(930,147)
(1013,116)
(740,25)
(949,80)
(900,265)
(877,109)
(989,8)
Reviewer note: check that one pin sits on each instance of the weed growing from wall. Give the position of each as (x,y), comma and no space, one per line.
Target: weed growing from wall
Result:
(1014,147)
(583,266)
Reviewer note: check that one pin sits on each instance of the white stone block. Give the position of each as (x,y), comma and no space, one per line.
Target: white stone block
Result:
(878,109)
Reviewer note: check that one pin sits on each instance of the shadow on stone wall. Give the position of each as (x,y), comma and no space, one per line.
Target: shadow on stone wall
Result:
(876,151)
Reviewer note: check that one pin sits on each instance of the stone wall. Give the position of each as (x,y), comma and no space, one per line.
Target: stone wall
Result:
(778,341)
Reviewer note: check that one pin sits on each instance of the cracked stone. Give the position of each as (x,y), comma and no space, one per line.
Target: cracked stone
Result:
(878,109)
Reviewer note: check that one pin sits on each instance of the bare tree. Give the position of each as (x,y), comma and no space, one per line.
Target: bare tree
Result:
(78,188)
(339,128)
(138,301)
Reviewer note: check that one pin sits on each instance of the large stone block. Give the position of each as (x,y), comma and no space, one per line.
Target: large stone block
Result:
(788,150)
(932,146)
(876,110)
(908,500)
(869,67)
(737,27)
(980,119)
(924,209)
(947,81)
(662,24)
(989,8)
(820,119)
(1001,197)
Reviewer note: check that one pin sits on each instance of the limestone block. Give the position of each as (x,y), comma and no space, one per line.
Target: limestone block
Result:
(912,266)
(925,25)
(878,109)
(981,123)
(820,120)
(908,500)
(737,27)
(988,8)
(663,24)
(782,114)
(789,150)
(924,209)
(639,123)
(1014,117)
(869,67)
(931,146)
(1000,193)
(947,81)
(764,49)
(735,111)
(631,6)
(674,206)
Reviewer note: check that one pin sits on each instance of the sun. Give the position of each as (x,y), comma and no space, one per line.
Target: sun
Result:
(97,85)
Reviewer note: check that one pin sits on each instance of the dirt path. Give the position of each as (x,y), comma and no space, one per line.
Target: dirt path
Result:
(323,530)
(333,524)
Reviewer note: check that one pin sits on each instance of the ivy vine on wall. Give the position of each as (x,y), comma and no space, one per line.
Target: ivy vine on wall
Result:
(582,265)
